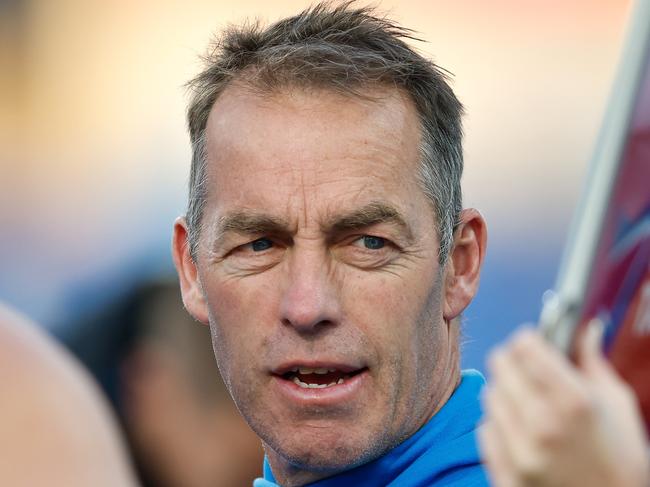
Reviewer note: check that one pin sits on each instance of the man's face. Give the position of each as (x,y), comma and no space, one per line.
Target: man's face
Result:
(318,265)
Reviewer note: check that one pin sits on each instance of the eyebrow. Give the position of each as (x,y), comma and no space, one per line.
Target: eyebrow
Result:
(252,222)
(371,214)
(248,222)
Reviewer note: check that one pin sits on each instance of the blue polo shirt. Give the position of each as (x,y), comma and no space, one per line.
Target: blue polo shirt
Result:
(441,453)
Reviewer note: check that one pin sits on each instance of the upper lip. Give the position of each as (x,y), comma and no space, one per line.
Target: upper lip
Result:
(341,366)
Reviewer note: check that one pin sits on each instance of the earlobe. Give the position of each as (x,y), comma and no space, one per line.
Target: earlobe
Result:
(191,291)
(463,267)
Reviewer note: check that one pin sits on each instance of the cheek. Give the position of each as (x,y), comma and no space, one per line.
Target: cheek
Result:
(402,317)
(393,308)
(384,314)
(239,311)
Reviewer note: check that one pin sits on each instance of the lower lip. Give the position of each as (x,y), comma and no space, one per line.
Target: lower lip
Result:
(326,396)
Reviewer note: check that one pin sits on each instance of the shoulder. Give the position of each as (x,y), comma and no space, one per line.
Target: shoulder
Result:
(56,426)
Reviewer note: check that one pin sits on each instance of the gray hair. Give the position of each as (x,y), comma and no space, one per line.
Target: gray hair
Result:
(343,48)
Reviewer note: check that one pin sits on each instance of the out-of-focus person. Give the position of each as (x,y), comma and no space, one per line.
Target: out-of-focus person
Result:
(550,422)
(157,365)
(56,429)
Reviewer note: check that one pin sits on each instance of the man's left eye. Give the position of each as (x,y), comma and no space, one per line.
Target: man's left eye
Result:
(372,243)
(261,244)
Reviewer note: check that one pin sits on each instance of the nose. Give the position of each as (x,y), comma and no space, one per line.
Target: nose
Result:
(310,298)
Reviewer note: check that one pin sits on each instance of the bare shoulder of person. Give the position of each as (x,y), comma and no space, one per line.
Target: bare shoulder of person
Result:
(55,427)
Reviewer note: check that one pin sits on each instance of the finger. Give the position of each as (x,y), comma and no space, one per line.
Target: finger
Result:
(523,389)
(565,390)
(605,381)
(517,443)
(500,471)
(589,356)
(536,359)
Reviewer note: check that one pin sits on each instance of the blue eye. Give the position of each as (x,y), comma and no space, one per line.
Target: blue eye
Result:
(373,243)
(261,244)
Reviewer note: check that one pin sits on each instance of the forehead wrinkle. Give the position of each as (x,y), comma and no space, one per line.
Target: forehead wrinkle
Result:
(371,214)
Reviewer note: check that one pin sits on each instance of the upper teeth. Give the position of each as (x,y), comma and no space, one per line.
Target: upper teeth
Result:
(309,370)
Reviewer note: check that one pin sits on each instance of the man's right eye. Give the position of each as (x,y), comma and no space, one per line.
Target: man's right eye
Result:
(254,256)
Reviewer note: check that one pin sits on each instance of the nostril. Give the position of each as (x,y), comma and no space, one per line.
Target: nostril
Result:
(306,325)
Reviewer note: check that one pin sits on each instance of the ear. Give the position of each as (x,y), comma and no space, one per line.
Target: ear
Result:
(191,289)
(464,263)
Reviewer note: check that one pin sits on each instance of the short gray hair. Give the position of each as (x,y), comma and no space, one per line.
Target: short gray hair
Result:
(344,48)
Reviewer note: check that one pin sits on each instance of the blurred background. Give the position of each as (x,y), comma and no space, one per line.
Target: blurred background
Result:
(94,155)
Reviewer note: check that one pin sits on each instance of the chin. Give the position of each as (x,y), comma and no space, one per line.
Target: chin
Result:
(328,454)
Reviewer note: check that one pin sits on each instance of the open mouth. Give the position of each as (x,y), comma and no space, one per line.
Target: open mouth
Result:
(318,378)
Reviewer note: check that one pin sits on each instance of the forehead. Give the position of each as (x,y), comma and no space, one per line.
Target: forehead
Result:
(310,144)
